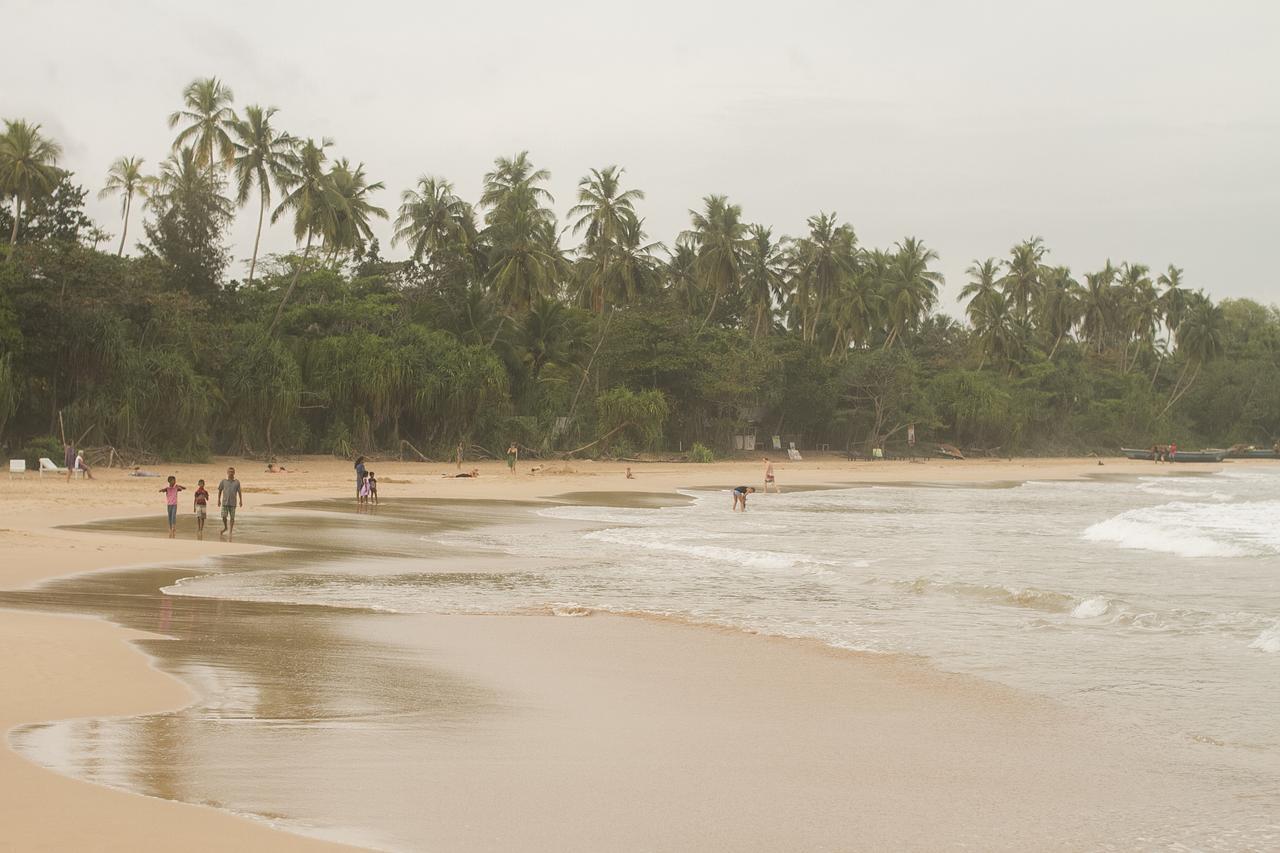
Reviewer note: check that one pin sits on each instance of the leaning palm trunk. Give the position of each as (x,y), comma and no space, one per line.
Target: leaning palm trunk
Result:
(1179,389)
(124,229)
(17,217)
(253,261)
(292,284)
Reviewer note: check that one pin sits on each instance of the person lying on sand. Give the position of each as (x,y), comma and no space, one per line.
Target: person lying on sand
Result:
(473,473)
(273,468)
(138,472)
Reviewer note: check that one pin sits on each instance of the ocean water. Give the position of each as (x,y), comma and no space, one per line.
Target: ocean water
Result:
(1149,604)
(1153,600)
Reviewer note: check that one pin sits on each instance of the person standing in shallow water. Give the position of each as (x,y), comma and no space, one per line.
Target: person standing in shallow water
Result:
(768,477)
(740,496)
(359,476)
(229,495)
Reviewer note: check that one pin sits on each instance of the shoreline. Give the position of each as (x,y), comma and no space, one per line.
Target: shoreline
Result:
(52,644)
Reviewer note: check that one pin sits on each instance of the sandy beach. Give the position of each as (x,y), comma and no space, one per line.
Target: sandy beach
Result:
(607,732)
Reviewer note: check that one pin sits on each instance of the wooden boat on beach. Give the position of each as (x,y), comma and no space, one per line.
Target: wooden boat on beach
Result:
(1181,456)
(1241,451)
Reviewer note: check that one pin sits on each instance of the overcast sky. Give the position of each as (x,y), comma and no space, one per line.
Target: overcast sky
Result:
(1141,131)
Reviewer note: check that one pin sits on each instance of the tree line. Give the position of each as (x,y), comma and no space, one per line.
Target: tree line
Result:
(505,322)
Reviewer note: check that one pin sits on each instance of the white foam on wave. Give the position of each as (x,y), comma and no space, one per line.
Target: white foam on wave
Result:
(647,540)
(1268,640)
(1195,529)
(1161,486)
(1091,608)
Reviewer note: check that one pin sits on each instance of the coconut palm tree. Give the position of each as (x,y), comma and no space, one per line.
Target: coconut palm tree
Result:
(351,228)
(525,261)
(1139,310)
(682,276)
(825,260)
(209,118)
(181,181)
(1022,277)
(718,237)
(313,202)
(857,307)
(764,266)
(1058,309)
(262,155)
(1201,338)
(125,179)
(997,329)
(603,214)
(433,220)
(28,167)
(1097,306)
(912,288)
(983,285)
(626,270)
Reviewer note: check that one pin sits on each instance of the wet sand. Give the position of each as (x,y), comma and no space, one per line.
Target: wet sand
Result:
(512,732)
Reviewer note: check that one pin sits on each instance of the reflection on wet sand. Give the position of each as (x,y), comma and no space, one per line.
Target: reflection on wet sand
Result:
(276,683)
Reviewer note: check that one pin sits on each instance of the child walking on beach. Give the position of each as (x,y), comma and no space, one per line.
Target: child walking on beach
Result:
(373,488)
(201,508)
(171,503)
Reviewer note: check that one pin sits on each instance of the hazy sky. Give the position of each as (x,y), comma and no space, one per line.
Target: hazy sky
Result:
(1141,131)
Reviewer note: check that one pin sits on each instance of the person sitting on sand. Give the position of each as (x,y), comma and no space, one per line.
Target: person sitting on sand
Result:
(740,496)
(630,476)
(171,503)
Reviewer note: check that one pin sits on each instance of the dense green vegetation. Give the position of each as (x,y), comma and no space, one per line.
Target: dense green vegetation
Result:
(505,323)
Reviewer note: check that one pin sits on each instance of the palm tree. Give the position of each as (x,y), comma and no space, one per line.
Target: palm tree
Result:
(28,167)
(181,181)
(1097,306)
(125,178)
(718,236)
(1201,338)
(912,287)
(682,276)
(764,264)
(526,261)
(1174,301)
(983,287)
(1022,280)
(1058,309)
(432,219)
(604,212)
(999,334)
(209,119)
(857,307)
(624,271)
(1140,311)
(312,200)
(262,156)
(825,260)
(351,228)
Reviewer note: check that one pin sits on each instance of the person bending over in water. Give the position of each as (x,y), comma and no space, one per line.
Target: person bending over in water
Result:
(740,496)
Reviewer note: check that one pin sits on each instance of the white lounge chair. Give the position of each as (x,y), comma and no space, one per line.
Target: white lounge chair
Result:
(48,466)
(17,466)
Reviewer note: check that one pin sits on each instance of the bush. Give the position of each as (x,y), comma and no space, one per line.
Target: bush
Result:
(701,453)
(47,445)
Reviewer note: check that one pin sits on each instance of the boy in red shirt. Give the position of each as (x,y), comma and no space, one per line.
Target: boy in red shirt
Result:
(202,508)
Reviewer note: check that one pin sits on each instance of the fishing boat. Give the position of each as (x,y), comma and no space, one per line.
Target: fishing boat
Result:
(1135,453)
(1241,451)
(1198,456)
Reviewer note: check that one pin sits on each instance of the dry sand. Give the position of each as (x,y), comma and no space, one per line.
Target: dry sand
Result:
(652,733)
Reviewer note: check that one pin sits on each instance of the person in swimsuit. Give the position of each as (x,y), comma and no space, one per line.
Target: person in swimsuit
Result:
(740,496)
(768,477)
(513,456)
(171,503)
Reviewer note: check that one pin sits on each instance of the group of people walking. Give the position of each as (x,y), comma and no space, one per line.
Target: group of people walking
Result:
(230,497)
